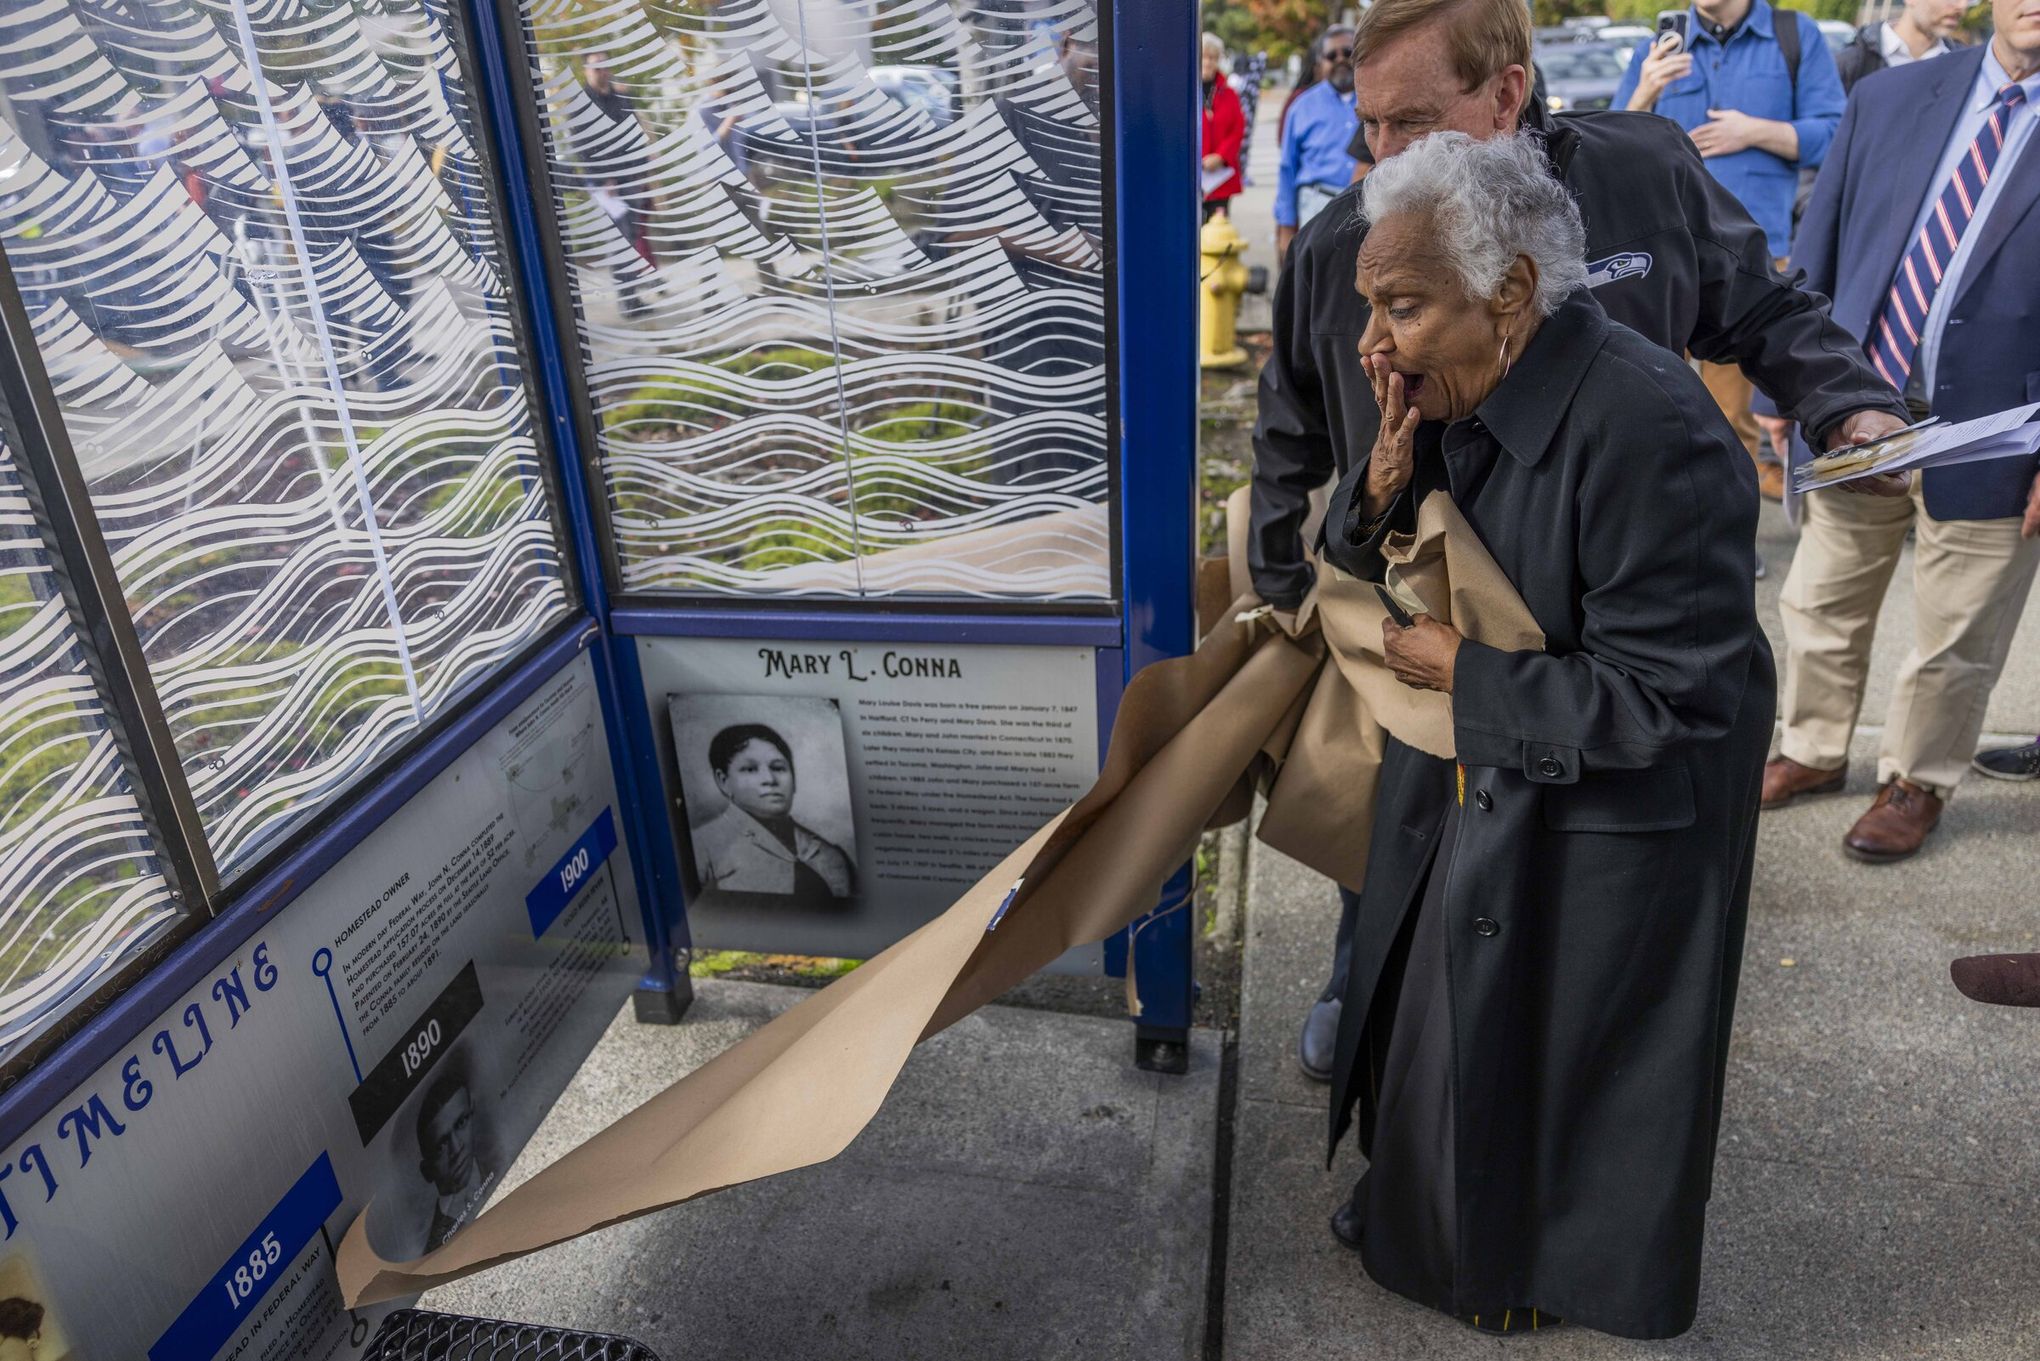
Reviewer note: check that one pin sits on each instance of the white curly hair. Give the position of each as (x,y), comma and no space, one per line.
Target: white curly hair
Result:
(1487,202)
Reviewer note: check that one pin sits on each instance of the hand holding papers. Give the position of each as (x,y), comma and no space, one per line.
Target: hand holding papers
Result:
(1930,444)
(1212,178)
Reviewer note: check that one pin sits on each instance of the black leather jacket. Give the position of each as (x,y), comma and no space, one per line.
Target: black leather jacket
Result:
(1671,254)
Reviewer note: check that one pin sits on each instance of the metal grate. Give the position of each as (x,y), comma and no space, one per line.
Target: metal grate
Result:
(415,1335)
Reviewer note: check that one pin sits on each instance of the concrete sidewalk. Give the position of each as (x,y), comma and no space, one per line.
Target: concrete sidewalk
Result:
(1875,1196)
(1025,1193)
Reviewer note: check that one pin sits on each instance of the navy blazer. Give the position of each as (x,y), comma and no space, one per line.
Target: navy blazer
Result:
(1858,226)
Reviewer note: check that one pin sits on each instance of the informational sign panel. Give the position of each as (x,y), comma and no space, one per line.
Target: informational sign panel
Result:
(390,1040)
(828,798)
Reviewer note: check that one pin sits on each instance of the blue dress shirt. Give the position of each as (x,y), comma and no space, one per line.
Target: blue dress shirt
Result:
(1990,78)
(1314,141)
(1748,74)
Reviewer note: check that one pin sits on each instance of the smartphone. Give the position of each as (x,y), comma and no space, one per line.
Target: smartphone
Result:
(1672,21)
(1394,607)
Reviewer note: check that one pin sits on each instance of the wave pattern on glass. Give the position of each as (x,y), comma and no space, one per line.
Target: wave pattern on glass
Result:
(254,241)
(80,892)
(838,268)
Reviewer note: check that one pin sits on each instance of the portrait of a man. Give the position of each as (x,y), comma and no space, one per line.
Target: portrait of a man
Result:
(449,1156)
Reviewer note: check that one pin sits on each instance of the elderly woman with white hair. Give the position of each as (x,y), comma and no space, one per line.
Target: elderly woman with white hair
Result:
(1546,948)
(1224,131)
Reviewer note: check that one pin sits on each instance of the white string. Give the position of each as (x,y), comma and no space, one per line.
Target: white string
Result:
(807,64)
(302,248)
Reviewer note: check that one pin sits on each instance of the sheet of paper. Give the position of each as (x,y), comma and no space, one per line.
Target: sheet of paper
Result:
(2023,442)
(1214,178)
(2003,434)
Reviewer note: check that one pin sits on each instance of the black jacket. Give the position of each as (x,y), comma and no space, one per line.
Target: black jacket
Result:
(1864,54)
(1600,873)
(1671,254)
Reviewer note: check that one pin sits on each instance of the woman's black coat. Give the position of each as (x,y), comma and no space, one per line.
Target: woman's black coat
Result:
(1601,874)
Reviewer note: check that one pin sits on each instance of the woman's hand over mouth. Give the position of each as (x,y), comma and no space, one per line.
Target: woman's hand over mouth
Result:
(1394,457)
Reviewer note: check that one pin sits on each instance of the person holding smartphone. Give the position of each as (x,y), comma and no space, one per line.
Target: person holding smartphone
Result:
(1666,59)
(1757,91)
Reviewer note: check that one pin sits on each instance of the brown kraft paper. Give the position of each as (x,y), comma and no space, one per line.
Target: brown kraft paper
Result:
(1253,696)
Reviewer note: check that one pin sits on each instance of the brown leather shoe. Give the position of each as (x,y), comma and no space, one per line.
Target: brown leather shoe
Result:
(1785,780)
(1895,825)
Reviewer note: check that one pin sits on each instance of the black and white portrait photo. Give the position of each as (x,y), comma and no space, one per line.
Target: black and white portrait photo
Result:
(444,1160)
(450,1154)
(28,1330)
(765,786)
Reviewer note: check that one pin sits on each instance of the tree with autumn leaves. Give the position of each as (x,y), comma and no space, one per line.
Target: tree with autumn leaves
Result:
(1278,26)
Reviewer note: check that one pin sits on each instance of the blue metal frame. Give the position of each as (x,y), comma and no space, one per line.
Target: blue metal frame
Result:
(290,874)
(683,621)
(661,854)
(115,1027)
(1151,51)
(1155,90)
(616,672)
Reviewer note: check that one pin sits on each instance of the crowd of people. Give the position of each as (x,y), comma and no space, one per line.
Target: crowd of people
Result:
(1606,336)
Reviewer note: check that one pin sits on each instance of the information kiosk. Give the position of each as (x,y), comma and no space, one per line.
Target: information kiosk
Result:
(493,495)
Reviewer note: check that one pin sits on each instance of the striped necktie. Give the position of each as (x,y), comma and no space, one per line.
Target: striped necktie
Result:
(1896,338)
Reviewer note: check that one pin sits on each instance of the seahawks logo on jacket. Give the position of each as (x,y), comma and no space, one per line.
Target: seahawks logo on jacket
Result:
(1632,264)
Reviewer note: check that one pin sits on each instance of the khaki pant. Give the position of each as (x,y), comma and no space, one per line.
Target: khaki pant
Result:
(1732,392)
(1970,582)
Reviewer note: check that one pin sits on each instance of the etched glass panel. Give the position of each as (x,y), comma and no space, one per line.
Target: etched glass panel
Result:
(80,891)
(838,269)
(255,244)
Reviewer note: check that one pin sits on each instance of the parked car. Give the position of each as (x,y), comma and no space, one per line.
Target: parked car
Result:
(929,88)
(803,117)
(1579,75)
(1625,37)
(1837,33)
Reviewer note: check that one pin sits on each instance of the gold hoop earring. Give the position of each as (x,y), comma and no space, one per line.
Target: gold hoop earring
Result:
(1504,357)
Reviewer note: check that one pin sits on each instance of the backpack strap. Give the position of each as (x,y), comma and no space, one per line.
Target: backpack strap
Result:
(1785,25)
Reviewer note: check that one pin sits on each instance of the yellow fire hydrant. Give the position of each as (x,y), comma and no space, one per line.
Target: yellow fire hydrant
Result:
(1225,279)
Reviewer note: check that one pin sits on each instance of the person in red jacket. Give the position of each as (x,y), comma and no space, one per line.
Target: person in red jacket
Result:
(1225,130)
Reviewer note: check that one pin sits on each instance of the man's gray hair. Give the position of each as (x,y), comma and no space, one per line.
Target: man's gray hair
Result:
(1487,202)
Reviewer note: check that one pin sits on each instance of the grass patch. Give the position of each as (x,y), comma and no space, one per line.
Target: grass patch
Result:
(717,963)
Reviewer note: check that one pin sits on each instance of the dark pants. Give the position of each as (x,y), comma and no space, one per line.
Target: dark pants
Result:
(1406,1200)
(1342,949)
